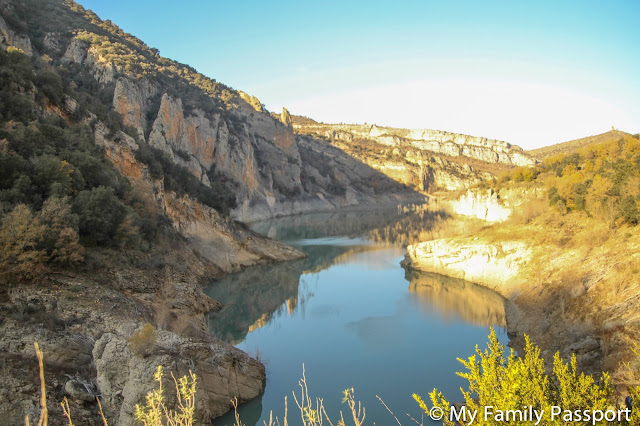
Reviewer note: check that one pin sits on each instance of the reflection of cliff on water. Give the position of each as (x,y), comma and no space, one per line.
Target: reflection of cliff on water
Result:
(457,299)
(401,226)
(253,297)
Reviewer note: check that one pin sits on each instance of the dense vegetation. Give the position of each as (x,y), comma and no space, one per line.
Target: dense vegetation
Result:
(59,194)
(602,180)
(58,191)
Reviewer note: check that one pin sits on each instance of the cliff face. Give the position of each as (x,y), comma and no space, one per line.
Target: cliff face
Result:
(259,154)
(84,319)
(495,206)
(427,160)
(496,266)
(435,141)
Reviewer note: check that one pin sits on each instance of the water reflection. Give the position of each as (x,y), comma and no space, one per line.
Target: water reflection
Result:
(403,226)
(257,295)
(352,315)
(457,299)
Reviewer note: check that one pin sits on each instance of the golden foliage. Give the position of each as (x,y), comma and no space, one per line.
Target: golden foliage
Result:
(143,341)
(155,412)
(511,383)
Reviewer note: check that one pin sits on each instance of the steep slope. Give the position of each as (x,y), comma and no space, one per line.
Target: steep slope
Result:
(222,136)
(427,160)
(96,242)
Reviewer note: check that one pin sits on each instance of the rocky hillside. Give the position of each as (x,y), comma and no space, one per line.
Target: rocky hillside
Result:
(427,160)
(221,136)
(563,249)
(574,145)
(120,173)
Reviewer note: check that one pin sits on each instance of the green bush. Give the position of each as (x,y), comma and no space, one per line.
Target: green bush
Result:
(513,383)
(100,214)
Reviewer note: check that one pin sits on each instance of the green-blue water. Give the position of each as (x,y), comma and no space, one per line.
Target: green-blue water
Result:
(352,315)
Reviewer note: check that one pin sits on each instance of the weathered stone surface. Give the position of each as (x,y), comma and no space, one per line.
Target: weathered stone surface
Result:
(79,391)
(496,266)
(484,205)
(130,100)
(435,141)
(222,371)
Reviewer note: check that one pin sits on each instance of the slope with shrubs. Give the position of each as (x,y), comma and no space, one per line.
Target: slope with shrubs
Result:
(88,255)
(578,215)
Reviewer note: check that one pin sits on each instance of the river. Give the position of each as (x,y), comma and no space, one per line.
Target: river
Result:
(353,316)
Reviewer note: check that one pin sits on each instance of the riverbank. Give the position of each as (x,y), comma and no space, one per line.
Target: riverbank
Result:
(571,283)
(106,326)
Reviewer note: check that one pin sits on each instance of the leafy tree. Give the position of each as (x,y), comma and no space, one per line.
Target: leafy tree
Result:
(100,214)
(61,239)
(628,210)
(21,254)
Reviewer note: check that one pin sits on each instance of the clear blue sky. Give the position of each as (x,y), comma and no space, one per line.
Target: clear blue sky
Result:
(531,73)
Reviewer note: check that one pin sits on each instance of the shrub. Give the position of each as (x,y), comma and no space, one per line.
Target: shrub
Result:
(143,341)
(628,210)
(21,253)
(100,214)
(155,413)
(513,383)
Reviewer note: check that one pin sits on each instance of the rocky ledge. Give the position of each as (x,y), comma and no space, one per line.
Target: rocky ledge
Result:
(494,265)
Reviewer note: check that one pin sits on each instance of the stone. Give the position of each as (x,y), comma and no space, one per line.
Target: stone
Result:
(79,391)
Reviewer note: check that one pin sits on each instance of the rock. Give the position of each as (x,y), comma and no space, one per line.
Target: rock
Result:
(76,52)
(10,38)
(52,43)
(483,205)
(588,344)
(285,118)
(222,371)
(252,101)
(79,391)
(494,265)
(435,141)
(130,99)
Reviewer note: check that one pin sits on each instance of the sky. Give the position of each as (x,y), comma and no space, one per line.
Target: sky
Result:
(529,73)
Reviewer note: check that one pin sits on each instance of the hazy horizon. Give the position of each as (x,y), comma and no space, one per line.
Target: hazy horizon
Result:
(529,74)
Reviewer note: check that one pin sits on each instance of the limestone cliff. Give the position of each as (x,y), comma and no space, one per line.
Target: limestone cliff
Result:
(84,319)
(495,206)
(497,266)
(435,141)
(257,152)
(427,160)
(8,37)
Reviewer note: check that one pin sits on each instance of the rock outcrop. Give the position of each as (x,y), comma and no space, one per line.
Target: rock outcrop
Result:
(8,37)
(222,371)
(497,266)
(484,205)
(434,141)
(427,160)
(495,206)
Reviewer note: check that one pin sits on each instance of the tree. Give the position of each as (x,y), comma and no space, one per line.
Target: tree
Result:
(61,240)
(21,254)
(100,213)
(628,210)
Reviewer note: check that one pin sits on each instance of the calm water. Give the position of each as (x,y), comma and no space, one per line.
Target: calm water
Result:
(353,316)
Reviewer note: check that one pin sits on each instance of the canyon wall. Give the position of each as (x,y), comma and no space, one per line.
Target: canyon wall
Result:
(427,160)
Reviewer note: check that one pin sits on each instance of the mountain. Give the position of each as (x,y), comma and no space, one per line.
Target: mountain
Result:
(427,160)
(123,175)
(572,146)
